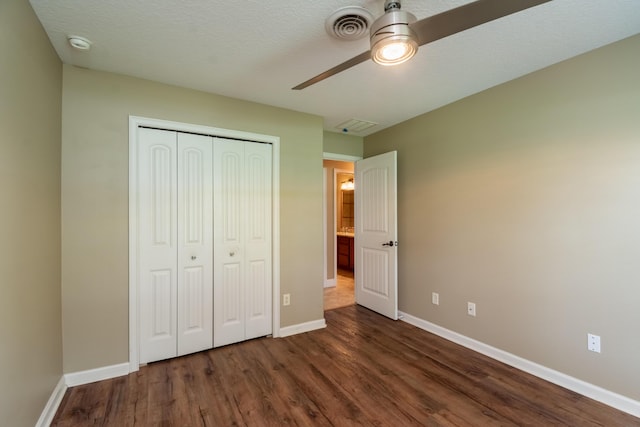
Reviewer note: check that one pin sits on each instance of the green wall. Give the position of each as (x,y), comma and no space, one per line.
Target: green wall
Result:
(525,199)
(340,143)
(30,311)
(96,107)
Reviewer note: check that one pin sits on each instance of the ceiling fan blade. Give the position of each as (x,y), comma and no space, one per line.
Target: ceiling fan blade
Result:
(468,16)
(442,25)
(335,70)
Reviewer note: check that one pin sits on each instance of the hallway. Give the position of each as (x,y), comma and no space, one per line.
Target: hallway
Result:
(342,294)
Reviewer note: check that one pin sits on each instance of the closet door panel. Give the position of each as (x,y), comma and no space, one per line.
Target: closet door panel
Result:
(229,307)
(256,295)
(195,243)
(229,259)
(160,316)
(157,236)
(258,199)
(228,202)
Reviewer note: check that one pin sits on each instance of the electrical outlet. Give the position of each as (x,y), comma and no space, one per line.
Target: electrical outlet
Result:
(593,343)
(286,299)
(435,298)
(471,309)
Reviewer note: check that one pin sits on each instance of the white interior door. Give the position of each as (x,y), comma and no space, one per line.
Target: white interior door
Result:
(175,243)
(376,234)
(242,236)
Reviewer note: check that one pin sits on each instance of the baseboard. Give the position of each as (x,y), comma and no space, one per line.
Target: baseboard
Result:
(302,327)
(330,283)
(50,409)
(594,392)
(98,374)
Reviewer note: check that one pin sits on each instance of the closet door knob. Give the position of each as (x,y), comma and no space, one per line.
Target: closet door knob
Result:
(232,253)
(193,257)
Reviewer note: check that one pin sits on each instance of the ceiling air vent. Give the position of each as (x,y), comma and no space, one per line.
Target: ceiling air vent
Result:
(349,23)
(355,126)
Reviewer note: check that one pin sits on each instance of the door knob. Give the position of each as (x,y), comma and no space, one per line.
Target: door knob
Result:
(389,243)
(193,257)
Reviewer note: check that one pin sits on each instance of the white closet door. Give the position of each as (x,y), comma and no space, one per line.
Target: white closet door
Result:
(195,243)
(258,243)
(228,262)
(242,241)
(157,178)
(175,243)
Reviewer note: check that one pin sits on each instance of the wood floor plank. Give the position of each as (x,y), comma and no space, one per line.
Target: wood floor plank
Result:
(159,389)
(117,411)
(292,402)
(362,370)
(359,369)
(304,377)
(436,381)
(333,385)
(197,373)
(467,378)
(139,402)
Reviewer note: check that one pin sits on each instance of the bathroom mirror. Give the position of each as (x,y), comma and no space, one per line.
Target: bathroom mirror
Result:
(347,209)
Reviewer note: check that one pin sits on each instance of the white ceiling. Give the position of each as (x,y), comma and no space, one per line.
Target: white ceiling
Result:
(258,50)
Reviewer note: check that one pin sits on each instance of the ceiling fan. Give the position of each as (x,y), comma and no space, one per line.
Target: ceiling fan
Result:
(396,35)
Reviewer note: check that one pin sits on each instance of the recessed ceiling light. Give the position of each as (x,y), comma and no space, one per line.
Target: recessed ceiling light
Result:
(79,43)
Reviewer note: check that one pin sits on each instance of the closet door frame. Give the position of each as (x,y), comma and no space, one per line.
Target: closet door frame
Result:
(136,122)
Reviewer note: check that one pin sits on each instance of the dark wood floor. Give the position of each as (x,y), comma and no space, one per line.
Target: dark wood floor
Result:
(362,369)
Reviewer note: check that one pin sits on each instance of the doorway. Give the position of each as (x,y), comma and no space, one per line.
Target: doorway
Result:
(339,234)
(375,237)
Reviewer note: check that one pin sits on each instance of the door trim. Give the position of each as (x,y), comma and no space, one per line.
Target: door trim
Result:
(134,123)
(327,283)
(340,157)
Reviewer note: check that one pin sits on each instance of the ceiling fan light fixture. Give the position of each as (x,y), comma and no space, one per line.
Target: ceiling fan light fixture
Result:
(394,50)
(392,40)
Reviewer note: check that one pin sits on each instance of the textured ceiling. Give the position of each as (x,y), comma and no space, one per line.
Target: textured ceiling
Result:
(258,50)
